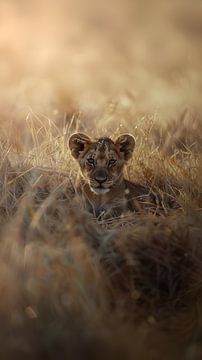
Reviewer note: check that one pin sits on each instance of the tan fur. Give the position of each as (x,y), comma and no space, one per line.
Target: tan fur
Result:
(102,183)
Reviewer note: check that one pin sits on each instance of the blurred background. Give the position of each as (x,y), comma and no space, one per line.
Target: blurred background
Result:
(56,58)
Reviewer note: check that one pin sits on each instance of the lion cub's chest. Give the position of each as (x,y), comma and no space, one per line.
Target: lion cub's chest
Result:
(110,204)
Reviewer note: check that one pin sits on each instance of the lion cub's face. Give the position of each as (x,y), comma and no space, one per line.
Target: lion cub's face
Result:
(101,161)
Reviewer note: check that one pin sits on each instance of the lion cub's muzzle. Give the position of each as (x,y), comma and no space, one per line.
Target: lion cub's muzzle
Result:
(98,185)
(100,176)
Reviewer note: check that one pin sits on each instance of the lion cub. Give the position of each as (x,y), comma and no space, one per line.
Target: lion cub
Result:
(102,183)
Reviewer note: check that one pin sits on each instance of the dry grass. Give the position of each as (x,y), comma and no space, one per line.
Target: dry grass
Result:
(73,286)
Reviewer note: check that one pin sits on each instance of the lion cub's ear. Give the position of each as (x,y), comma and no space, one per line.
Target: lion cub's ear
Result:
(77,143)
(126,145)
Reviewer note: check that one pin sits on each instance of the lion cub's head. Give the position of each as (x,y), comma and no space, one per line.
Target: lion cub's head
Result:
(102,160)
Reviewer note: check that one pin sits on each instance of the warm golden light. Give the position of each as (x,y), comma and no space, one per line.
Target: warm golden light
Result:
(83,274)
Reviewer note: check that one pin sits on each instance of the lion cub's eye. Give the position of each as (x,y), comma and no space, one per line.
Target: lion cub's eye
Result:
(112,162)
(91,161)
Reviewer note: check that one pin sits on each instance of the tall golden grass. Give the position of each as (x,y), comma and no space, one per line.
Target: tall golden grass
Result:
(73,286)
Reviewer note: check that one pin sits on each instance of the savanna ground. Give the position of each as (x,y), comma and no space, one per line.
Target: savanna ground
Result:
(72,286)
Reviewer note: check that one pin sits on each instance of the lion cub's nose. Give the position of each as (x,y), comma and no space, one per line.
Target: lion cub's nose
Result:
(100,176)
